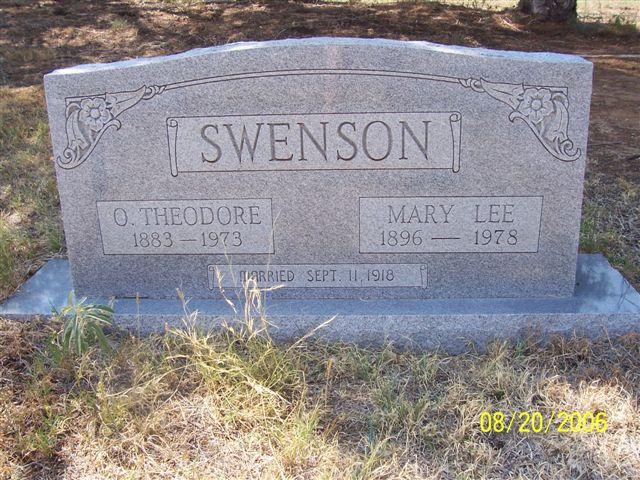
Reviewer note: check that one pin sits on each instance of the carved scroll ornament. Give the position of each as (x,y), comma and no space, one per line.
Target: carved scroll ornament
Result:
(545,110)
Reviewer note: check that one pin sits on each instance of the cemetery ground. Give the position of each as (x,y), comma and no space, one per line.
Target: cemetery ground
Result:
(234,404)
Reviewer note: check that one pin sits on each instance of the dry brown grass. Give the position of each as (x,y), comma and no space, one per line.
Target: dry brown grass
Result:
(611,222)
(233,405)
(30,227)
(607,11)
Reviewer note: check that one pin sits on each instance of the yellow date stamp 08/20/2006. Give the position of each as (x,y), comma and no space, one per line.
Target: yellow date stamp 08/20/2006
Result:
(539,422)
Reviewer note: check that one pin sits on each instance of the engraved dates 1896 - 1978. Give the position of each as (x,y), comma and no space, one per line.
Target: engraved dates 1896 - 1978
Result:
(450,224)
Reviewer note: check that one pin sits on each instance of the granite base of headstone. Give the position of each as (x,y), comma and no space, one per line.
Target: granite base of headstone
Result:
(604,303)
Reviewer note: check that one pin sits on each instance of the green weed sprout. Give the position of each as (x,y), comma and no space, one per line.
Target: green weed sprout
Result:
(83,325)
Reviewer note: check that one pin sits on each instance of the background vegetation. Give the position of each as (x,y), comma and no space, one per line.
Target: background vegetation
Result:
(605,11)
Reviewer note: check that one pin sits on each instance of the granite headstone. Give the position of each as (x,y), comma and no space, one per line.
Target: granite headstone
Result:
(336,168)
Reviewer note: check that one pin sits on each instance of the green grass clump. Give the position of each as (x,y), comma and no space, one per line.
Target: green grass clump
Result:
(83,325)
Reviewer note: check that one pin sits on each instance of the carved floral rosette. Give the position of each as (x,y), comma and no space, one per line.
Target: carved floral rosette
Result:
(545,110)
(88,118)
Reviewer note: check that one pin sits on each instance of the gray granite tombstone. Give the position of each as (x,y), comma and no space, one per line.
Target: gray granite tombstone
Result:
(331,168)
(335,168)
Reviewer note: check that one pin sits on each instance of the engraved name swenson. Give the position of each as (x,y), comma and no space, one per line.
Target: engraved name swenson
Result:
(429,140)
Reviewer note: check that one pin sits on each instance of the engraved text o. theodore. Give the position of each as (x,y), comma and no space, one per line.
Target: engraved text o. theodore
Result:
(327,141)
(150,227)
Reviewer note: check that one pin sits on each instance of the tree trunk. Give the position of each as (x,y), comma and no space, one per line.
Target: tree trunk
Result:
(553,10)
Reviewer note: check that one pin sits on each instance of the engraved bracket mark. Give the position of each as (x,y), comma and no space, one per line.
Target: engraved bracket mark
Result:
(88,118)
(456,120)
(424,276)
(172,137)
(545,110)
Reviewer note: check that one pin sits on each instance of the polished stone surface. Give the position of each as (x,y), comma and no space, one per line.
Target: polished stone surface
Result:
(604,302)
(339,168)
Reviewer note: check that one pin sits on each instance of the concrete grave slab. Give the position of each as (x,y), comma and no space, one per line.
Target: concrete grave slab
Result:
(422,194)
